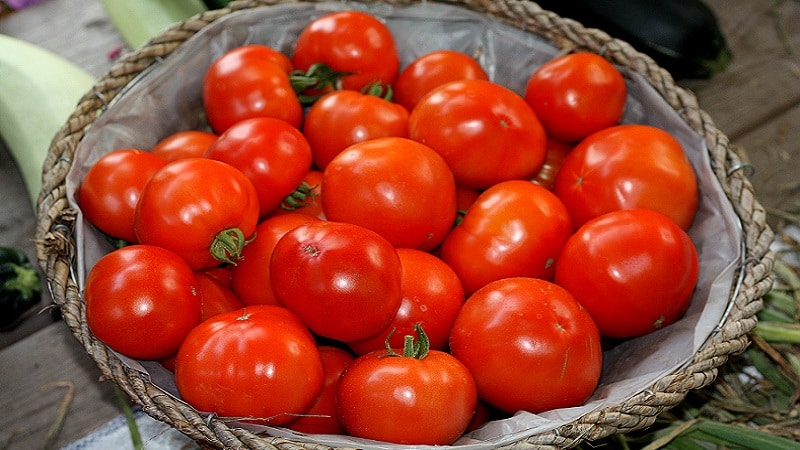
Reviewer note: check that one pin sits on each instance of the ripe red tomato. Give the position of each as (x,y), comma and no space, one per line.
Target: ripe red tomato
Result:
(142,301)
(266,53)
(184,144)
(241,84)
(416,397)
(556,153)
(259,363)
(203,210)
(432,297)
(342,118)
(515,228)
(485,132)
(628,166)
(111,188)
(576,94)
(349,41)
(272,153)
(401,189)
(217,298)
(431,70)
(343,280)
(633,270)
(306,198)
(529,345)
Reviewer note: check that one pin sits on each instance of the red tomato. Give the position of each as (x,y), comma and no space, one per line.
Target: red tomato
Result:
(529,345)
(203,210)
(266,53)
(432,297)
(184,144)
(250,277)
(399,188)
(556,153)
(343,280)
(633,270)
(241,84)
(111,188)
(142,301)
(417,397)
(272,153)
(485,132)
(322,417)
(628,166)
(306,198)
(431,70)
(259,363)
(576,94)
(217,298)
(515,228)
(342,118)
(349,41)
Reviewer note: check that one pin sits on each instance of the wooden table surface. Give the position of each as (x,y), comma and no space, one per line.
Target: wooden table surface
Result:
(756,102)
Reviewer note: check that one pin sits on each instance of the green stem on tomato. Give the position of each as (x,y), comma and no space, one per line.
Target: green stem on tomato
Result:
(300,197)
(417,349)
(318,77)
(228,245)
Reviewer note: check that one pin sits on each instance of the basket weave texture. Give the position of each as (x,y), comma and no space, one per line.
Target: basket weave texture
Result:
(56,244)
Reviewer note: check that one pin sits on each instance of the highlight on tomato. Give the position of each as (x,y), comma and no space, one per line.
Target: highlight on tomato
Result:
(184,144)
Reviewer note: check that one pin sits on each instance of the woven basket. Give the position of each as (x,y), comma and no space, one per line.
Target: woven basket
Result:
(56,238)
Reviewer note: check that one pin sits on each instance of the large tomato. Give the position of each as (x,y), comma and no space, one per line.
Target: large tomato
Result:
(515,228)
(343,280)
(628,166)
(401,189)
(634,270)
(203,210)
(184,144)
(272,153)
(142,301)
(529,345)
(576,94)
(485,132)
(259,363)
(110,190)
(349,41)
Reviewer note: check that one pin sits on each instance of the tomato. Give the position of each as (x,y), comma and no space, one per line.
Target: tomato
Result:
(349,41)
(250,277)
(576,94)
(628,166)
(259,363)
(432,70)
(343,280)
(634,270)
(203,210)
(266,53)
(272,153)
(142,301)
(111,188)
(515,228)
(217,298)
(556,153)
(184,144)
(322,417)
(242,84)
(485,132)
(401,189)
(529,345)
(418,396)
(432,297)
(342,118)
(306,198)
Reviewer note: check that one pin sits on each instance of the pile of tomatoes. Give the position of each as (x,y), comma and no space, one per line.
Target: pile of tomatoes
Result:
(394,253)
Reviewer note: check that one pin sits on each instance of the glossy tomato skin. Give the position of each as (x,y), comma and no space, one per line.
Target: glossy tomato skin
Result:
(406,400)
(431,70)
(349,41)
(529,345)
(399,188)
(189,202)
(266,53)
(342,118)
(217,298)
(634,270)
(111,188)
(515,228)
(142,301)
(343,280)
(260,363)
(241,84)
(577,94)
(306,198)
(628,166)
(184,144)
(486,132)
(273,154)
